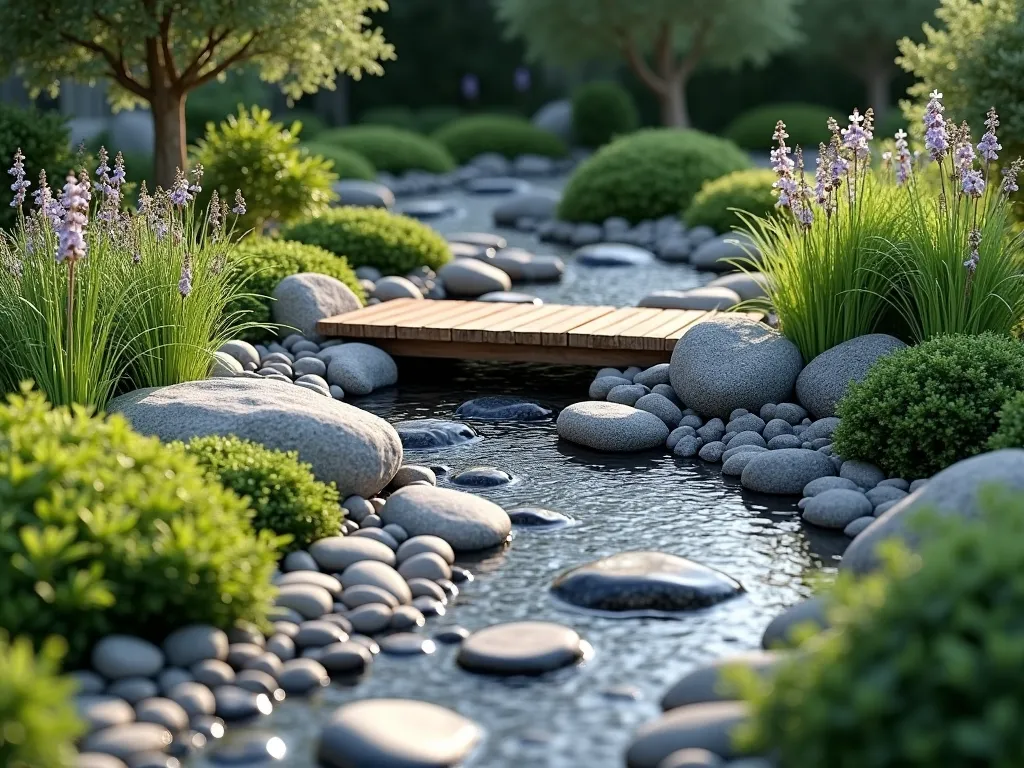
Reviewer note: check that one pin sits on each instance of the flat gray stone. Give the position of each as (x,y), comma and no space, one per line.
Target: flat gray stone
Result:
(302,300)
(310,366)
(825,380)
(611,427)
(395,287)
(881,494)
(836,508)
(359,368)
(748,437)
(786,471)
(371,618)
(376,574)
(521,648)
(124,741)
(661,407)
(411,473)
(416,545)
(465,521)
(710,683)
(502,409)
(510,297)
(407,643)
(707,726)
(719,253)
(651,377)
(426,434)
(426,565)
(866,475)
(97,711)
(627,394)
(165,712)
(309,600)
(189,645)
(346,658)
(785,628)
(820,428)
(301,676)
(823,484)
(97,760)
(688,446)
(120,656)
(612,255)
(539,204)
(712,451)
(858,526)
(747,285)
(703,298)
(602,385)
(470,278)
(784,441)
(336,553)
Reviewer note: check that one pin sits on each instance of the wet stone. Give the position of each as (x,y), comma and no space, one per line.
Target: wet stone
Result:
(213,673)
(258,681)
(426,565)
(250,750)
(120,656)
(123,741)
(426,543)
(97,711)
(407,617)
(427,588)
(370,619)
(502,409)
(324,580)
(195,698)
(318,633)
(481,477)
(451,635)
(521,648)
(240,654)
(133,689)
(428,606)
(459,575)
(236,704)
(347,658)
(425,434)
(193,644)
(407,644)
(538,517)
(165,712)
(301,676)
(210,726)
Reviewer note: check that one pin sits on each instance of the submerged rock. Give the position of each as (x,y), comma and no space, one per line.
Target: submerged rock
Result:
(481,477)
(424,434)
(501,409)
(521,648)
(538,517)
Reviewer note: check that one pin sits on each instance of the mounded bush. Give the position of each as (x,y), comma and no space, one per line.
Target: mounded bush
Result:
(601,111)
(344,162)
(267,262)
(44,141)
(282,491)
(648,174)
(924,666)
(102,529)
(395,117)
(38,723)
(749,191)
(430,119)
(923,408)
(373,237)
(1010,433)
(805,124)
(506,135)
(389,149)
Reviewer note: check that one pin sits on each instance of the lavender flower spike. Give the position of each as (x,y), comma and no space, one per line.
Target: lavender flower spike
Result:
(989,146)
(118,178)
(783,167)
(974,240)
(185,283)
(239,209)
(855,136)
(71,245)
(20,182)
(973,183)
(180,192)
(197,176)
(1010,176)
(904,162)
(935,137)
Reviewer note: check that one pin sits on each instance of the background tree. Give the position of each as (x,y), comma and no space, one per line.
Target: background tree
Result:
(662,41)
(862,36)
(155,51)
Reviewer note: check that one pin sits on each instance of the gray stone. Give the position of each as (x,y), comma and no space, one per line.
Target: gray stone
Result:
(407,617)
(407,643)
(370,618)
(665,390)
(651,377)
(282,645)
(784,441)
(359,368)
(336,553)
(165,712)
(501,409)
(346,658)
(510,297)
(394,287)
(661,407)
(587,234)
(820,428)
(612,255)
(481,239)
(713,431)
(120,656)
(97,760)
(309,600)
(376,574)
(711,683)
(791,413)
(426,565)
(748,285)
(194,698)
(884,507)
(896,482)
(300,676)
(533,165)
(126,741)
(627,394)
(367,594)
(426,434)
(836,508)
(133,689)
(362,193)
(419,544)
(677,434)
(224,366)
(536,517)
(465,521)
(213,672)
(725,363)
(865,475)
(735,464)
(611,427)
(700,234)
(707,726)
(825,380)
(521,648)
(858,526)
(97,711)
(300,560)
(336,392)
(719,253)
(236,704)
(644,581)
(396,733)
(776,428)
(244,352)
(785,630)
(317,634)
(785,471)
(189,645)
(731,451)
(747,438)
(539,204)
(471,278)
(310,366)
(481,477)
(918,484)
(86,682)
(692,758)
(357,450)
(674,249)
(748,422)
(411,473)
(601,386)
(767,412)
(369,273)
(712,451)
(328,582)
(302,300)
(881,494)
(823,484)
(688,447)
(703,298)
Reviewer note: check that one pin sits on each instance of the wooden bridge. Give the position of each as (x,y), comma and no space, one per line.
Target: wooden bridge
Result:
(548,333)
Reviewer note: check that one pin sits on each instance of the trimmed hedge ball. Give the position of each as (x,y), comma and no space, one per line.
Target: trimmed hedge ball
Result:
(391,149)
(345,163)
(749,191)
(602,111)
(805,124)
(468,137)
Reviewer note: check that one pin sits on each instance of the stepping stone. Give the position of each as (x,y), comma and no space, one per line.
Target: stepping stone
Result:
(522,648)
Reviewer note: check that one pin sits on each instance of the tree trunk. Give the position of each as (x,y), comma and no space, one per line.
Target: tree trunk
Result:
(674,113)
(877,80)
(169,137)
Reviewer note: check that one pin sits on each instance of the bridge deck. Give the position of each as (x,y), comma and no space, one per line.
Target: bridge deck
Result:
(549,333)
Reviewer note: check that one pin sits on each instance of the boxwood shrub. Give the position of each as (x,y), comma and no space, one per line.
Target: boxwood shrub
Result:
(38,723)
(43,138)
(373,237)
(749,191)
(1010,433)
(344,162)
(648,174)
(925,407)
(430,119)
(601,111)
(506,135)
(391,149)
(265,262)
(102,529)
(805,124)
(281,490)
(924,666)
(394,117)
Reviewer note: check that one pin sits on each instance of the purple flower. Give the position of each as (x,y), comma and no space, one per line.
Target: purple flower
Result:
(20,182)
(216,221)
(118,178)
(71,246)
(973,240)
(180,192)
(185,283)
(904,163)
(239,209)
(470,87)
(522,79)
(103,168)
(197,176)
(963,151)
(973,183)
(783,166)
(856,136)
(1010,176)
(935,140)
(989,146)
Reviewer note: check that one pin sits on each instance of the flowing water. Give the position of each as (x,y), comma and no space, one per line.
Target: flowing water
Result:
(585,715)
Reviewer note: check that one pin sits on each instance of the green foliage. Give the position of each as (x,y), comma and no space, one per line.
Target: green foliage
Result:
(281,490)
(430,119)
(1010,433)
(38,723)
(923,666)
(251,152)
(393,117)
(373,237)
(749,191)
(602,111)
(217,100)
(262,263)
(102,529)
(805,124)
(391,149)
(43,138)
(345,163)
(887,127)
(509,136)
(648,174)
(312,124)
(923,408)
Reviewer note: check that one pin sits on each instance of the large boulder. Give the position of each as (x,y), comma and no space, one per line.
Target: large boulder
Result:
(357,450)
(556,117)
(471,278)
(719,253)
(465,521)
(953,491)
(537,204)
(302,300)
(731,362)
(785,471)
(611,427)
(823,383)
(359,368)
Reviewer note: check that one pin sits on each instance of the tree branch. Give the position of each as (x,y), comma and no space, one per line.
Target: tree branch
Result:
(697,49)
(204,56)
(116,64)
(165,44)
(637,64)
(240,55)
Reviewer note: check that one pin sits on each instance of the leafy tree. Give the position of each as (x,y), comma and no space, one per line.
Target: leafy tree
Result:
(862,36)
(154,52)
(662,41)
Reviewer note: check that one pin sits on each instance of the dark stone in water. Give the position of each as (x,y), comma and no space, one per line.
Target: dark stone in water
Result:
(538,517)
(235,704)
(501,409)
(460,575)
(644,581)
(250,749)
(428,209)
(452,635)
(484,239)
(482,477)
(423,434)
(613,255)
(496,185)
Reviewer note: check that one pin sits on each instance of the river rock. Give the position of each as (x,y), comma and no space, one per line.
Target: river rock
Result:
(359,368)
(653,376)
(786,628)
(126,741)
(365,194)
(510,297)
(190,645)
(661,407)
(309,600)
(537,517)
(377,574)
(717,254)
(97,711)
(98,760)
(785,471)
(858,526)
(501,409)
(710,683)
(426,434)
(396,733)
(820,428)
(336,553)
(538,204)
(644,581)
(357,450)
(825,380)
(120,656)
(882,494)
(224,365)
(302,300)
(412,473)
(471,278)
(836,508)
(709,726)
(521,648)
(730,362)
(627,394)
(481,239)
(611,427)
(748,285)
(706,298)
(864,474)
(419,544)
(823,484)
(394,287)
(612,255)
(481,477)
(465,521)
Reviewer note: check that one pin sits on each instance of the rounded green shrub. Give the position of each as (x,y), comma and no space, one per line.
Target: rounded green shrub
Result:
(430,119)
(263,159)
(103,529)
(281,490)
(1010,433)
(506,135)
(38,723)
(648,174)
(923,408)
(344,162)
(749,191)
(266,262)
(394,117)
(391,149)
(312,124)
(373,237)
(805,124)
(924,666)
(601,111)
(43,138)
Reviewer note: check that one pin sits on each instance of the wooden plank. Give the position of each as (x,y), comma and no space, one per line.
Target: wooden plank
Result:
(408,326)
(473,330)
(502,331)
(440,329)
(557,334)
(523,353)
(530,333)
(655,338)
(625,334)
(379,324)
(331,326)
(587,335)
